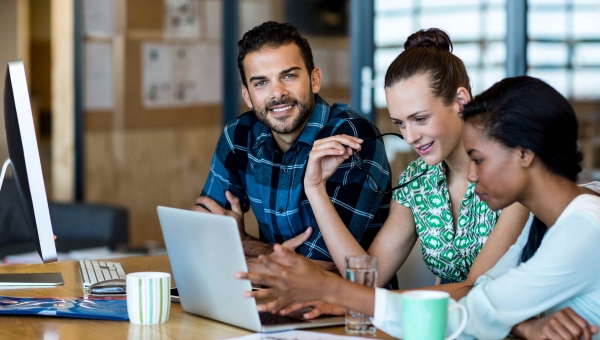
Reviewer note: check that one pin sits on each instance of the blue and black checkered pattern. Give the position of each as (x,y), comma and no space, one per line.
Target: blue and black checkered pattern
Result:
(248,163)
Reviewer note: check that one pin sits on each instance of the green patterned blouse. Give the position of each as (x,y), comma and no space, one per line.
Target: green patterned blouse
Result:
(448,254)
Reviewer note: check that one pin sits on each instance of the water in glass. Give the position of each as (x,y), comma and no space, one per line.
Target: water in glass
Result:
(358,323)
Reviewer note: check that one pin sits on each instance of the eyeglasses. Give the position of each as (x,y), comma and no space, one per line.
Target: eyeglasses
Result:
(371,181)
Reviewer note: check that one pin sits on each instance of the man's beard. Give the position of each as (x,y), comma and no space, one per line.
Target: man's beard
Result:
(304,108)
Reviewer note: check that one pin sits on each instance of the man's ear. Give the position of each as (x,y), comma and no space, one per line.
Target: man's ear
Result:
(526,157)
(316,77)
(246,96)
(462,98)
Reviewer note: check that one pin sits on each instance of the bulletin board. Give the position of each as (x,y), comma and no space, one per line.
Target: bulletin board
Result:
(137,26)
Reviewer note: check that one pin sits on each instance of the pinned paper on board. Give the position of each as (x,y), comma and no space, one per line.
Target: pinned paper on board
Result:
(185,75)
(180,75)
(254,13)
(213,19)
(98,76)
(209,77)
(99,18)
(182,19)
(156,75)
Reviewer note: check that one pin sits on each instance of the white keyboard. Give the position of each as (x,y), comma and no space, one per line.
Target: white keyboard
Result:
(97,271)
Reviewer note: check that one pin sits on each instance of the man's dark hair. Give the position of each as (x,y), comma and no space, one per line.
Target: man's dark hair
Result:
(272,34)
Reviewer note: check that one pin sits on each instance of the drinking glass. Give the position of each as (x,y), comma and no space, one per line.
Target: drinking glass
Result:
(362,270)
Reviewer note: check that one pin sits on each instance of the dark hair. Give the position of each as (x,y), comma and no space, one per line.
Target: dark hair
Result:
(529,113)
(272,34)
(429,51)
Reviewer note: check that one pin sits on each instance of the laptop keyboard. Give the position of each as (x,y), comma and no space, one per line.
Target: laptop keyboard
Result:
(98,271)
(275,319)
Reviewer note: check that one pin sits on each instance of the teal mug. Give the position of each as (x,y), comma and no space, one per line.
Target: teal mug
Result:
(425,315)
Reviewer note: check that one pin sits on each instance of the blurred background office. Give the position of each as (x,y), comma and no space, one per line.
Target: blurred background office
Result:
(130,96)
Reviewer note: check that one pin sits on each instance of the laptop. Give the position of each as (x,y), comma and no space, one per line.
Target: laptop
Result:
(205,252)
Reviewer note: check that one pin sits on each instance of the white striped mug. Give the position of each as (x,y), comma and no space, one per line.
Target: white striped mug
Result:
(148,297)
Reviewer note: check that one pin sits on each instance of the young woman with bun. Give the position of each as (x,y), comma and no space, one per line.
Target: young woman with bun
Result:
(521,137)
(426,88)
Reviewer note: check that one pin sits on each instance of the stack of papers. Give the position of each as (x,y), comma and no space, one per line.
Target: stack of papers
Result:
(297,335)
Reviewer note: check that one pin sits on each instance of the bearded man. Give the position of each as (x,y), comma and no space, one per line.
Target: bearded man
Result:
(261,156)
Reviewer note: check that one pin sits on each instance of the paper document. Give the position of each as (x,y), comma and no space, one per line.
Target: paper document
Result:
(98,76)
(181,75)
(209,59)
(98,18)
(156,75)
(186,68)
(297,335)
(182,19)
(213,19)
(253,14)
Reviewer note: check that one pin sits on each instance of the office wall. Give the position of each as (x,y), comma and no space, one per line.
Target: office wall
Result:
(14,35)
(39,77)
(39,83)
(140,157)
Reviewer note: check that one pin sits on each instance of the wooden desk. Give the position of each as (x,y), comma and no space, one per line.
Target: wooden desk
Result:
(181,325)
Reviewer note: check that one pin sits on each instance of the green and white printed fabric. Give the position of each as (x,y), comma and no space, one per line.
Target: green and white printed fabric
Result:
(449,254)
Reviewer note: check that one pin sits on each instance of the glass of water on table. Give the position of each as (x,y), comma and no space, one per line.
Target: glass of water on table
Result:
(361,269)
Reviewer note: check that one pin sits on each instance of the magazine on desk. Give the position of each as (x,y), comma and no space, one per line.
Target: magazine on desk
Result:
(93,308)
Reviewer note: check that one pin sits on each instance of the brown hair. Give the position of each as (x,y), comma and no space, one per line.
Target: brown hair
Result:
(272,34)
(430,51)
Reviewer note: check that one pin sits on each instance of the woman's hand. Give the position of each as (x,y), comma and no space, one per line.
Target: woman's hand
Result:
(300,280)
(326,156)
(562,325)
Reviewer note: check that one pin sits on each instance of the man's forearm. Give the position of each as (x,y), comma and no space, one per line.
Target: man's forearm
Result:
(254,247)
(254,266)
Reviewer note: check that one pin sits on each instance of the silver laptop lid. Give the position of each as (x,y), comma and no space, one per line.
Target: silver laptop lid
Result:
(205,251)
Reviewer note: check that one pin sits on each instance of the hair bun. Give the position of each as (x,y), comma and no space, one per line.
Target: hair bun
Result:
(433,37)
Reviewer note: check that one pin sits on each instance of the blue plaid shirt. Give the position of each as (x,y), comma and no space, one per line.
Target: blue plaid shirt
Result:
(248,163)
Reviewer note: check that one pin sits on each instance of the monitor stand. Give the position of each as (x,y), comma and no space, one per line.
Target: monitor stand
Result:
(27,279)
(31,279)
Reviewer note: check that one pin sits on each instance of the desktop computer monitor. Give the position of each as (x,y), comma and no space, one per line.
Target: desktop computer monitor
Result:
(25,161)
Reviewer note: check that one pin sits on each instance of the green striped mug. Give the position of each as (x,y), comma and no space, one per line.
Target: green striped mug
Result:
(148,297)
